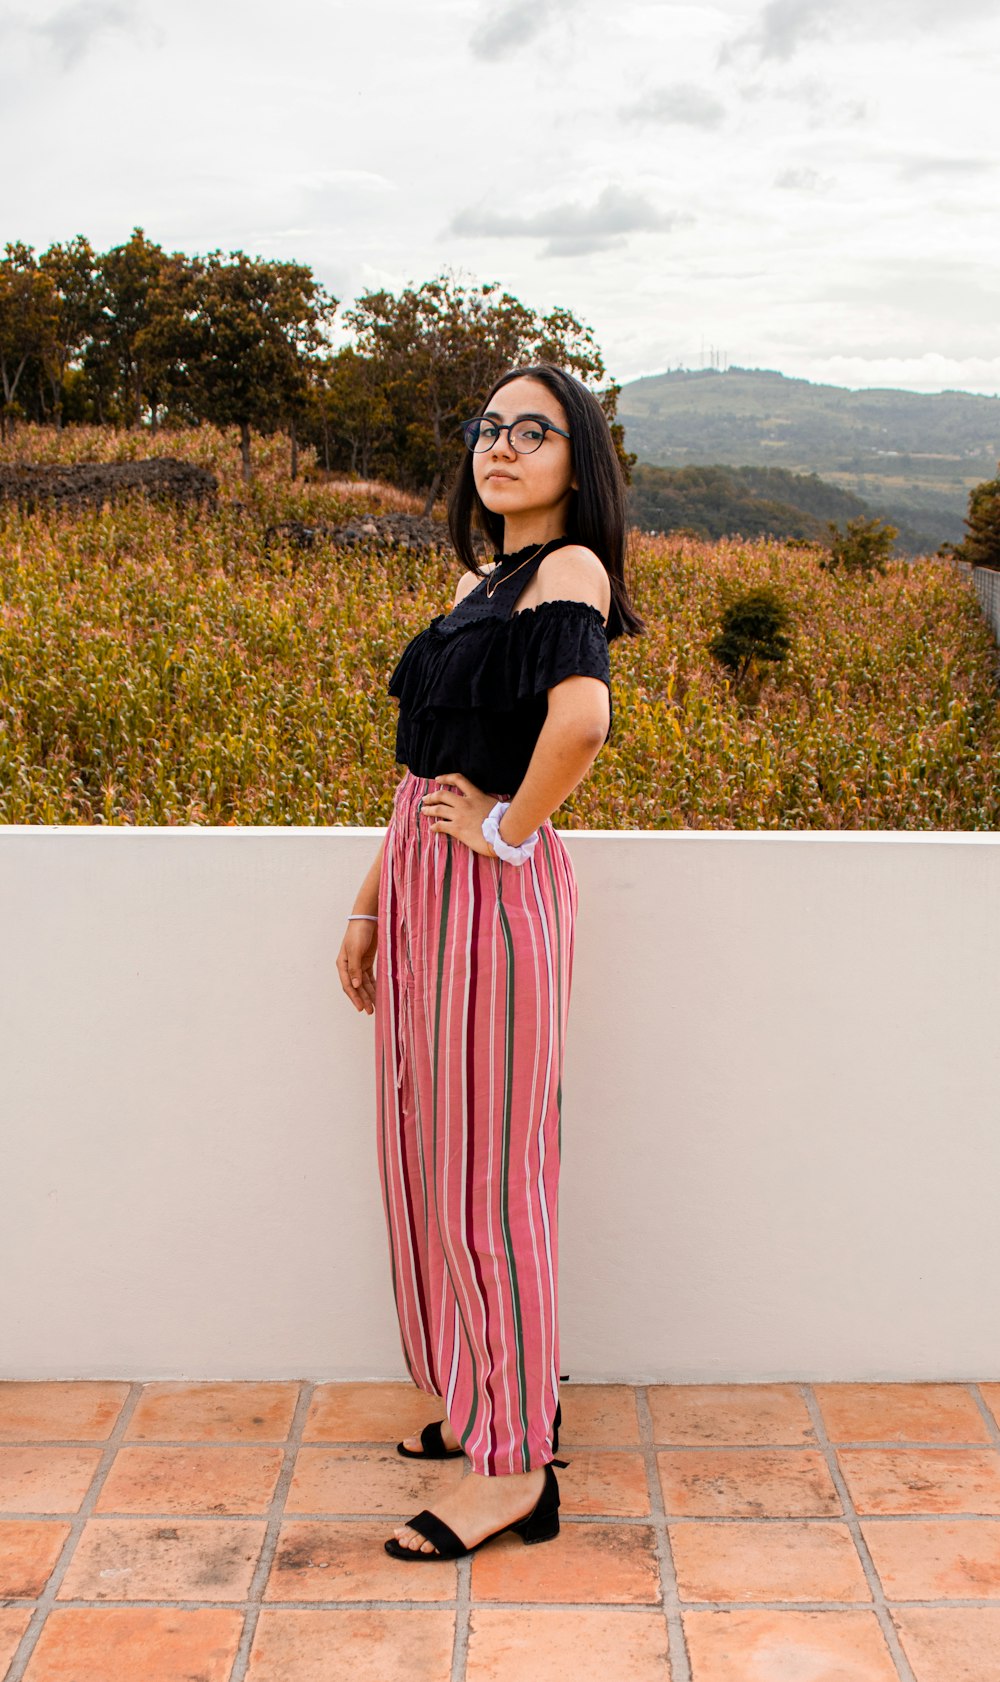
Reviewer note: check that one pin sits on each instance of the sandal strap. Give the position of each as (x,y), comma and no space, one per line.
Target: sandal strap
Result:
(432,1440)
(434,1529)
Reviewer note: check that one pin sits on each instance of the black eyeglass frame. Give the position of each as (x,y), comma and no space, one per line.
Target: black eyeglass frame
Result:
(478,420)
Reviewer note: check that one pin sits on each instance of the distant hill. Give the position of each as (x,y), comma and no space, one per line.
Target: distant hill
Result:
(912,457)
(718,501)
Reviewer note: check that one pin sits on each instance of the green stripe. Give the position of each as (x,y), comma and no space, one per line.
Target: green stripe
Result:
(423,1168)
(385,1159)
(442,932)
(389,1174)
(467,1433)
(546,841)
(508,1096)
(416,1084)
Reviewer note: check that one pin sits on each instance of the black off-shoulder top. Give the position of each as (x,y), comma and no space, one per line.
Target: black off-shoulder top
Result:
(472,687)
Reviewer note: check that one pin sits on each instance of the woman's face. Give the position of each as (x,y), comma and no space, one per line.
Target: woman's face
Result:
(514,483)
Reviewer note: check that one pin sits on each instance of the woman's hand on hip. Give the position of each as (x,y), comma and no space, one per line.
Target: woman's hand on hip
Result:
(459,812)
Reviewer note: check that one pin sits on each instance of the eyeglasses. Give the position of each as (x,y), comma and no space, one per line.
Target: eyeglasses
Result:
(524,435)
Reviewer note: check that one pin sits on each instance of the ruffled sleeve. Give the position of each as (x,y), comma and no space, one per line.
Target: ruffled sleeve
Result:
(560,639)
(494,663)
(406,673)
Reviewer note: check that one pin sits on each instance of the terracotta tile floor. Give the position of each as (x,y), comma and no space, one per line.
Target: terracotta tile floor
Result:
(710,1533)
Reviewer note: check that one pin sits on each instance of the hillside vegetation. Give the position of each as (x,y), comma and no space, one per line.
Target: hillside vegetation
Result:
(718,502)
(169,667)
(913,457)
(136,336)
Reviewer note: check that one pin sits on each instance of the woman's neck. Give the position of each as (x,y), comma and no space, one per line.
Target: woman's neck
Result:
(521,531)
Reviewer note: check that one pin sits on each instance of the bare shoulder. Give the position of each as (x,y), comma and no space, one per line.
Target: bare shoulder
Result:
(575,573)
(468,581)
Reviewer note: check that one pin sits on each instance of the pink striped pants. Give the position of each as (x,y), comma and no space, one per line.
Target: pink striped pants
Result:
(472,985)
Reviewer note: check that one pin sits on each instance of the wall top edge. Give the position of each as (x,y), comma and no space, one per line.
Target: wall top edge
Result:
(297,832)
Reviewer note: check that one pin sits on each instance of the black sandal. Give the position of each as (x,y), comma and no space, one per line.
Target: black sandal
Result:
(433,1442)
(434,1448)
(541,1525)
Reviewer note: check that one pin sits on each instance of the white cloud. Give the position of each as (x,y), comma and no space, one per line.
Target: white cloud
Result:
(929,372)
(916,169)
(832,202)
(817,105)
(573,229)
(681,102)
(514,26)
(803,180)
(74,28)
(782,27)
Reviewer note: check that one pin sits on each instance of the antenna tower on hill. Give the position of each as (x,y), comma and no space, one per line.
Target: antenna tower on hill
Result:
(718,359)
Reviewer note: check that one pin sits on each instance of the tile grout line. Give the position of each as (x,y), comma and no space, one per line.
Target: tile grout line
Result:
(631,1609)
(678,1658)
(252,1602)
(463,1606)
(600,1448)
(850,1516)
(47,1599)
(276,1515)
(991,1425)
(272,1530)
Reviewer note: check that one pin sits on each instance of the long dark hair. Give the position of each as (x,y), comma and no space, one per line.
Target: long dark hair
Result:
(597,513)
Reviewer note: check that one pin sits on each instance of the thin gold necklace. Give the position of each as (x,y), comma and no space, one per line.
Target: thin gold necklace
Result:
(520,564)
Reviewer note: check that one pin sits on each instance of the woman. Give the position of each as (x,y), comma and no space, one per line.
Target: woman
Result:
(505,702)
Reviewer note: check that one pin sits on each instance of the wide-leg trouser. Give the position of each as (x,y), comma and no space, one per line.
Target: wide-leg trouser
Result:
(472,985)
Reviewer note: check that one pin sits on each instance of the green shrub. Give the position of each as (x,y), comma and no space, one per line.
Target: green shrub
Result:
(162,667)
(981,544)
(863,549)
(753,630)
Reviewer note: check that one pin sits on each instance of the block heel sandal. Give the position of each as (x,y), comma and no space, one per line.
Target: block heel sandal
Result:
(540,1525)
(434,1448)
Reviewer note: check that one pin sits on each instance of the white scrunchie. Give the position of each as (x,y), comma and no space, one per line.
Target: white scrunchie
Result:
(491,829)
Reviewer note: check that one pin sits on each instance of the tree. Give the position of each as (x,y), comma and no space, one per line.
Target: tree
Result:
(231,339)
(127,278)
(352,408)
(73,271)
(436,349)
(609,403)
(169,342)
(753,630)
(27,318)
(865,547)
(981,543)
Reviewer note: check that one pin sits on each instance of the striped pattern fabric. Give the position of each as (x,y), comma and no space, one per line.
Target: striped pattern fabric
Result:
(472,985)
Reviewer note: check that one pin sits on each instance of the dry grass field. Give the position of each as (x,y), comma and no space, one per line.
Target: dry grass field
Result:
(167,666)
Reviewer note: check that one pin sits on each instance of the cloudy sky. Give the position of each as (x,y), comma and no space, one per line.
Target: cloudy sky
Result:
(805,185)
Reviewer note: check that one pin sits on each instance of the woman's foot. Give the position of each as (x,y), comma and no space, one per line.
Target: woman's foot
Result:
(479,1505)
(447,1434)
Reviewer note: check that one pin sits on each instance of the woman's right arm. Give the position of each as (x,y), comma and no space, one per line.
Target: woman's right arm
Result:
(354,960)
(367,899)
(357,950)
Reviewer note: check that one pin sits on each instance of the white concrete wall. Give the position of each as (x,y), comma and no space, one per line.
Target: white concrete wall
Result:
(781,1126)
(987,583)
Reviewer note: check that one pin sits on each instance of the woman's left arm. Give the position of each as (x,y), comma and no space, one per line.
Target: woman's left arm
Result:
(579,712)
(569,741)
(576,723)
